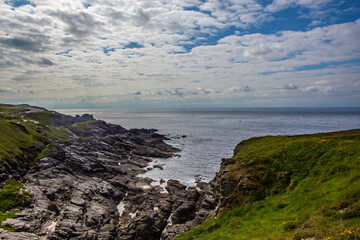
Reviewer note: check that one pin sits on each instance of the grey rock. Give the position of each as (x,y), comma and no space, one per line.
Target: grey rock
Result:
(76,192)
(17,235)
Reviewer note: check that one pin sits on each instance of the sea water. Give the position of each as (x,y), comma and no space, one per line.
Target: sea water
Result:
(206,136)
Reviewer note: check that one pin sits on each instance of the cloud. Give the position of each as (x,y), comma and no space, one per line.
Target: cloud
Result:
(278,5)
(240,89)
(20,78)
(163,49)
(177,92)
(80,24)
(289,87)
(311,89)
(22,44)
(45,61)
(247,89)
(136,93)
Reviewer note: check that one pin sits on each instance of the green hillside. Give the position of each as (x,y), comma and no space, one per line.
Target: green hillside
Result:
(289,187)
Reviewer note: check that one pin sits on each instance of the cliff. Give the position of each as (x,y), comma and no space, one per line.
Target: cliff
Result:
(64,177)
(288,187)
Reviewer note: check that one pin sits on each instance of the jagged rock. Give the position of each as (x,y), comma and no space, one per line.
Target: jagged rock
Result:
(88,188)
(75,192)
(158,166)
(85,117)
(17,235)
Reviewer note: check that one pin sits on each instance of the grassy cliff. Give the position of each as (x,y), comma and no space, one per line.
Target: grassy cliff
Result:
(25,132)
(288,187)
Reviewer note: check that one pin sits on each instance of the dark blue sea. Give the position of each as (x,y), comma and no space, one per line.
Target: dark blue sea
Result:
(212,134)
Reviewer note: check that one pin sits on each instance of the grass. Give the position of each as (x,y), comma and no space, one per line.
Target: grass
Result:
(4,216)
(81,126)
(11,196)
(48,151)
(7,112)
(57,133)
(50,118)
(306,186)
(25,137)
(20,143)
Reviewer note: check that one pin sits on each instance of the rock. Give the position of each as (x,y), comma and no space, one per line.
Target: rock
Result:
(185,212)
(47,162)
(75,192)
(158,166)
(85,117)
(17,235)
(174,185)
(199,205)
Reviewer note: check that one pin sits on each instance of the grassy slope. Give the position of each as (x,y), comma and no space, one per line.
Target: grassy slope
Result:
(307,186)
(25,135)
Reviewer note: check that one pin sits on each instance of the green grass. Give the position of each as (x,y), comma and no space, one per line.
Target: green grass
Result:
(23,141)
(50,118)
(59,133)
(4,216)
(11,196)
(48,151)
(20,143)
(81,126)
(9,111)
(304,183)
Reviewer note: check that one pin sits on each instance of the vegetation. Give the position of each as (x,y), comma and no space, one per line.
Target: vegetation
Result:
(80,126)
(26,134)
(20,143)
(11,195)
(48,151)
(303,187)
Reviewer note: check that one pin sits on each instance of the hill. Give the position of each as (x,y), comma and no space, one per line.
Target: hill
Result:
(288,187)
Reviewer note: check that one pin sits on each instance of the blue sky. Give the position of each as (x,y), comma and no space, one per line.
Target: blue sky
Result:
(180,53)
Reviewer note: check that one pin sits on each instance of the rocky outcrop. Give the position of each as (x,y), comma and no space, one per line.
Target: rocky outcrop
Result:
(197,206)
(88,188)
(75,193)
(155,210)
(83,118)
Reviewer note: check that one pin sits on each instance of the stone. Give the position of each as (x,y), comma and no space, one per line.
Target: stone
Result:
(75,193)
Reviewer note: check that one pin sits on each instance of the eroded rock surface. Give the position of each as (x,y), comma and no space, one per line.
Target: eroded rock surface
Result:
(88,189)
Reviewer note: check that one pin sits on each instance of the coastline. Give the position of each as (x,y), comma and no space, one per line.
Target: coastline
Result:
(84,176)
(77,178)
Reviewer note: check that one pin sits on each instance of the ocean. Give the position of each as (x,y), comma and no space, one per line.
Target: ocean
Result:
(206,136)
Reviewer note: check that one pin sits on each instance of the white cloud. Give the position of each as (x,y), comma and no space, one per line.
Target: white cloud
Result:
(113,50)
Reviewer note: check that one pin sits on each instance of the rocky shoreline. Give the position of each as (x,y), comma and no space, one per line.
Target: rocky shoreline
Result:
(89,189)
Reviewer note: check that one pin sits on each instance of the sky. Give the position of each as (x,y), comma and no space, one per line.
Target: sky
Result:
(180,53)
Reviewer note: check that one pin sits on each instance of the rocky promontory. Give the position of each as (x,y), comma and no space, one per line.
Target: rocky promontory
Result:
(77,179)
(64,177)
